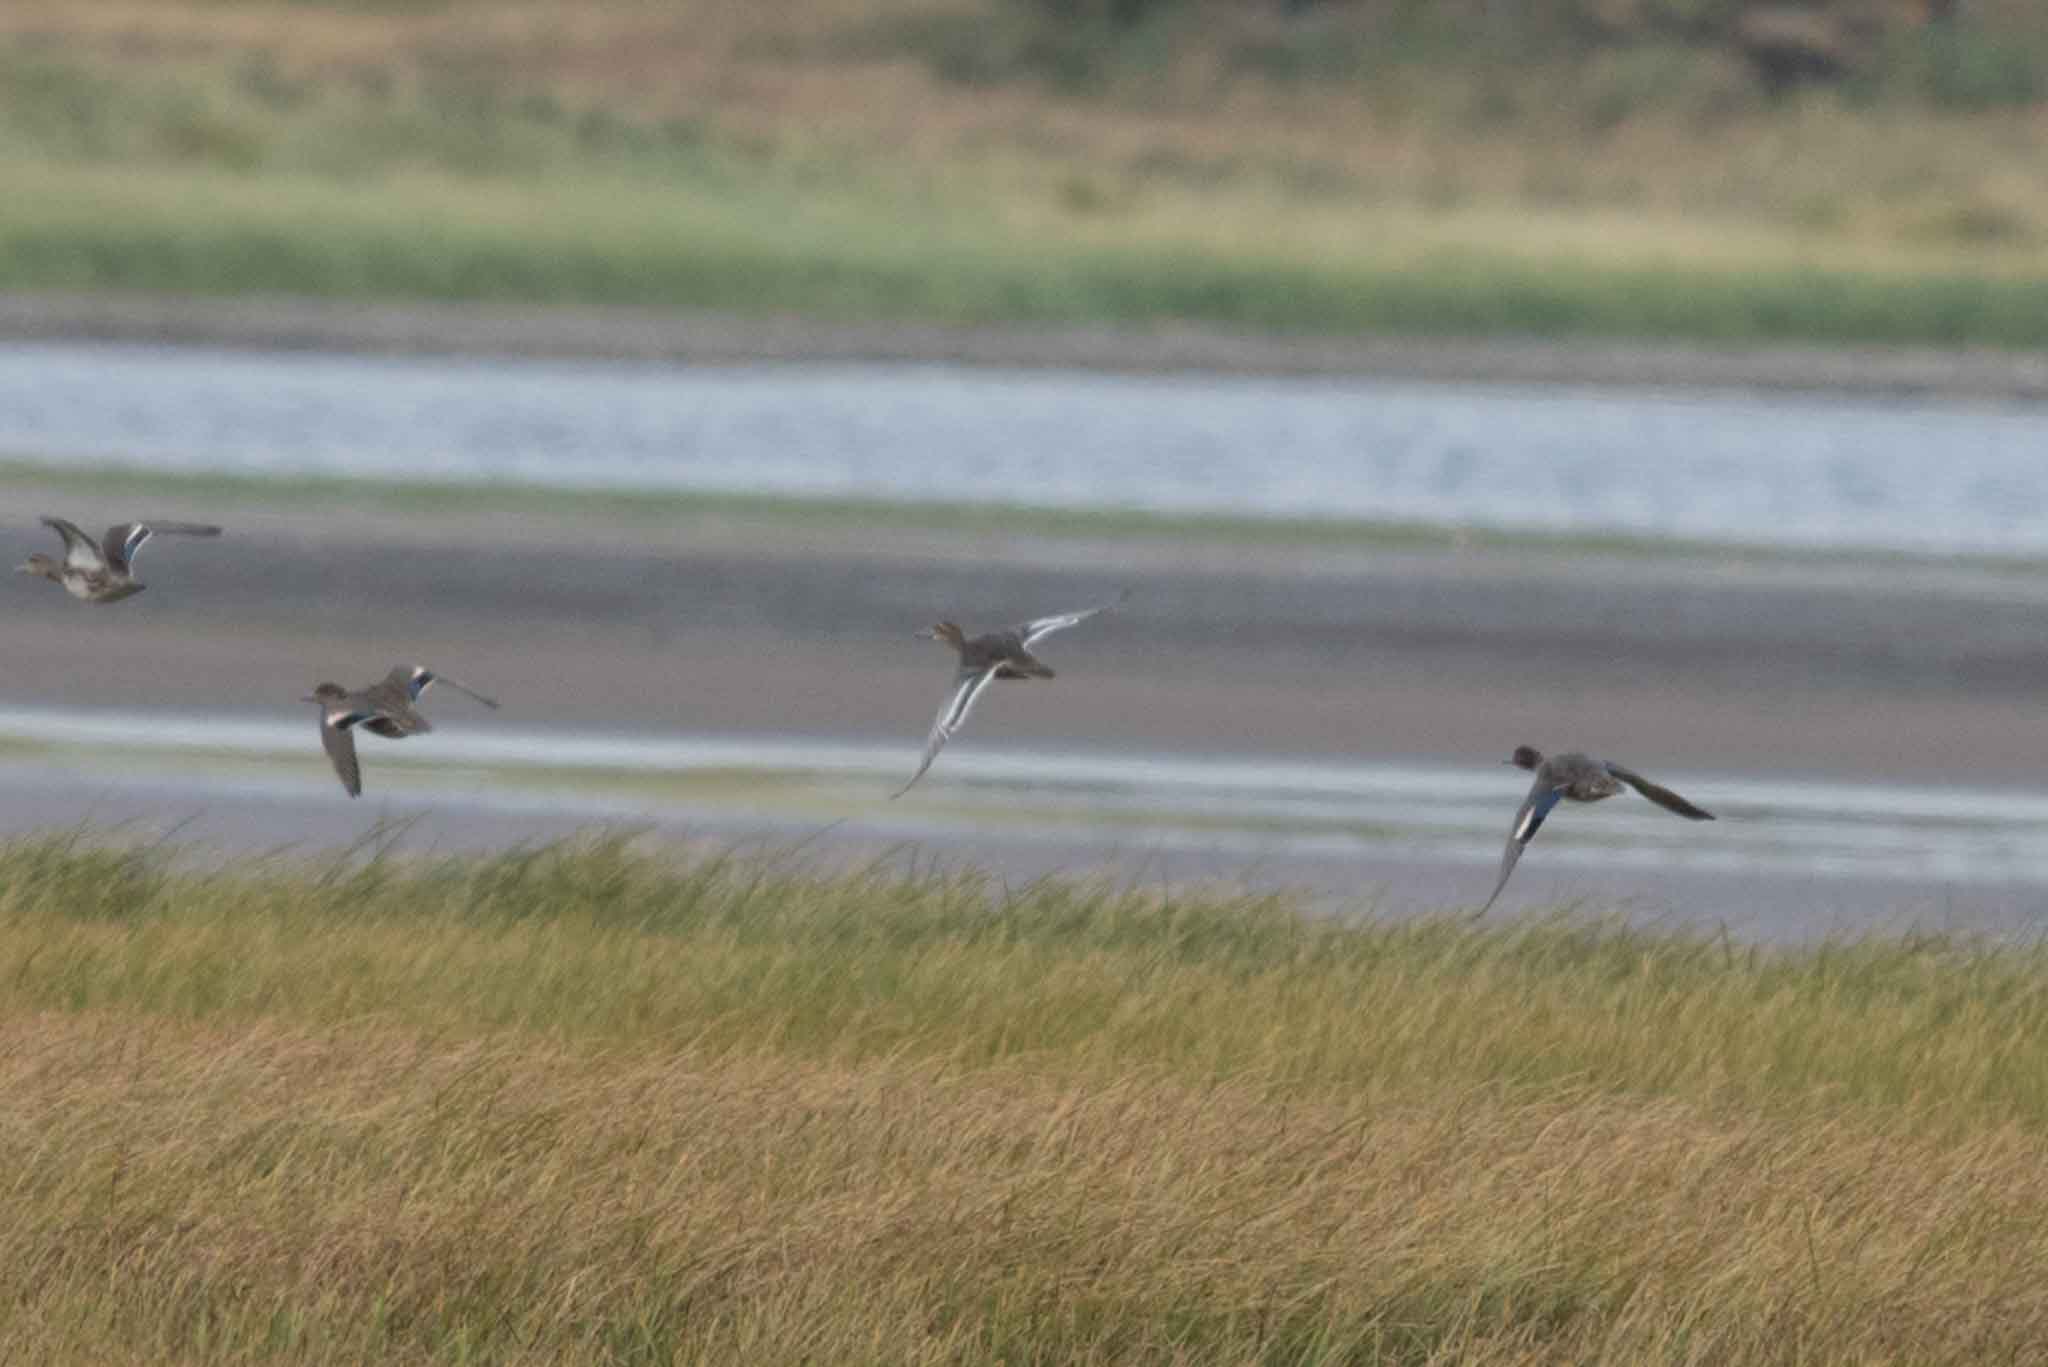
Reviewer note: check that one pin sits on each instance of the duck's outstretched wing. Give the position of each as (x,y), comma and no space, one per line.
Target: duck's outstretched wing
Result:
(417,679)
(339,740)
(1038,628)
(80,551)
(968,686)
(125,540)
(1545,795)
(1662,796)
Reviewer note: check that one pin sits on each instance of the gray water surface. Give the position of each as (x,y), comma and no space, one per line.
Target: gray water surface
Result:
(1787,858)
(1794,471)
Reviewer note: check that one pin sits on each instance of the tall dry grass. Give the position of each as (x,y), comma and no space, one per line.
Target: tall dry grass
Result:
(589,1104)
(595,942)
(261,1192)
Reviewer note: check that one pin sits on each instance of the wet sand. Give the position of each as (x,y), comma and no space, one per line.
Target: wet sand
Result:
(1909,674)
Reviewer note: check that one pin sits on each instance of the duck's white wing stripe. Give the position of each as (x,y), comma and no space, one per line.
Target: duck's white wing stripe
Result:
(966,692)
(1039,628)
(340,743)
(1542,798)
(128,538)
(967,689)
(427,677)
(1528,821)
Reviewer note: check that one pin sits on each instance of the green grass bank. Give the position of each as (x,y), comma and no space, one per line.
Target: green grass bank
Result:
(592,1103)
(987,162)
(700,247)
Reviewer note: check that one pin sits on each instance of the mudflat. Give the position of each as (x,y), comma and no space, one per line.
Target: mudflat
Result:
(1911,672)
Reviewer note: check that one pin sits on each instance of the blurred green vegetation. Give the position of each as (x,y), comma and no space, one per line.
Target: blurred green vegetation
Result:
(1613,167)
(1904,51)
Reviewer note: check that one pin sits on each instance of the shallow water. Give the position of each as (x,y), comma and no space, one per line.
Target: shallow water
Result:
(1780,470)
(1426,837)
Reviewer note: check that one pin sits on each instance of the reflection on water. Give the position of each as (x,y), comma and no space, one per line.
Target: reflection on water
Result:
(1786,470)
(1257,809)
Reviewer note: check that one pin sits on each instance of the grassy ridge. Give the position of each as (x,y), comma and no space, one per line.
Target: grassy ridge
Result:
(582,1104)
(680,157)
(597,241)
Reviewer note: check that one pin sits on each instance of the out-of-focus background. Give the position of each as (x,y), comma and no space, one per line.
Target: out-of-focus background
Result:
(1657,377)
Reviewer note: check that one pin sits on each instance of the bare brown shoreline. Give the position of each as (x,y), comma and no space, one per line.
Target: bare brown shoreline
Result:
(582,332)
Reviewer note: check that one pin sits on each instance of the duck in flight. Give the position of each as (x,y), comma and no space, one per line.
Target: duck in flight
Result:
(386,708)
(983,660)
(103,571)
(1582,779)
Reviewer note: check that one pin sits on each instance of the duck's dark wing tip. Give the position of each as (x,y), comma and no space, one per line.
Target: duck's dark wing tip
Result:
(931,753)
(1511,856)
(1659,794)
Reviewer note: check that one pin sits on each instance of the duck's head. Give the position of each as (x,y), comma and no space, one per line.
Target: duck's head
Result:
(949,632)
(1525,757)
(326,693)
(38,564)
